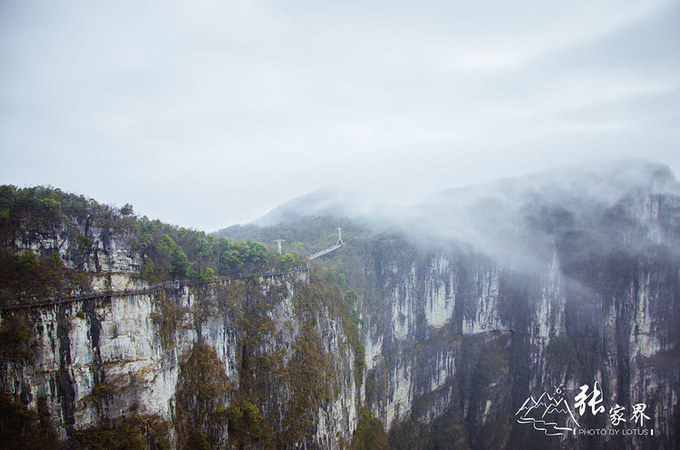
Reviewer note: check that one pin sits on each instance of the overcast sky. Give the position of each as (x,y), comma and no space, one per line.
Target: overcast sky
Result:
(210,113)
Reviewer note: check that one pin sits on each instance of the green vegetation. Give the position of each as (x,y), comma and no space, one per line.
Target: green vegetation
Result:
(26,274)
(240,256)
(573,353)
(326,288)
(246,425)
(309,375)
(448,431)
(405,436)
(310,234)
(43,219)
(21,427)
(197,440)
(126,210)
(261,373)
(369,434)
(167,317)
(17,338)
(101,391)
(306,370)
(493,359)
(208,275)
(135,433)
(290,260)
(201,397)
(50,239)
(371,388)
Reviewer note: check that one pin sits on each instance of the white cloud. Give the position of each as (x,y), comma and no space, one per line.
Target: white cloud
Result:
(256,101)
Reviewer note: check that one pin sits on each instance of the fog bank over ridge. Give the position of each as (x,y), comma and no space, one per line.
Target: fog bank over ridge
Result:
(499,218)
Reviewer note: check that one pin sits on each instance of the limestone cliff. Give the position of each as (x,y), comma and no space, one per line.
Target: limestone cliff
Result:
(585,291)
(486,297)
(260,356)
(451,325)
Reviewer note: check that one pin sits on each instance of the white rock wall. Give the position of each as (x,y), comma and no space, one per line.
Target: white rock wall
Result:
(116,341)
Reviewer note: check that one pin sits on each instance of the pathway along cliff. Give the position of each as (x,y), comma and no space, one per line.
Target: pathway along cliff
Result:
(575,306)
(168,285)
(242,360)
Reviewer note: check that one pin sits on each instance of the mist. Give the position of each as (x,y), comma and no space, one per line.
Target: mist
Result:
(501,216)
(523,222)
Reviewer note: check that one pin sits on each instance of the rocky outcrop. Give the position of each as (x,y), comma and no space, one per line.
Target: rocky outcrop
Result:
(505,306)
(123,356)
(463,337)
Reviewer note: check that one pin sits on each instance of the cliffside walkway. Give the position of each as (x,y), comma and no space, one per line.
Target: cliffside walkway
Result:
(168,285)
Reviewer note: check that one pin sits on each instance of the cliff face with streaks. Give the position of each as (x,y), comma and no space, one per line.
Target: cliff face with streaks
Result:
(106,360)
(260,359)
(483,298)
(459,343)
(445,328)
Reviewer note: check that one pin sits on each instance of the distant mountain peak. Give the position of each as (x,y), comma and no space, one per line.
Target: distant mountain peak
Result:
(322,202)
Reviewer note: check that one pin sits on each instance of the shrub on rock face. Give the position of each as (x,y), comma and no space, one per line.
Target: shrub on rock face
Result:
(201,398)
(21,427)
(369,434)
(245,423)
(197,440)
(17,338)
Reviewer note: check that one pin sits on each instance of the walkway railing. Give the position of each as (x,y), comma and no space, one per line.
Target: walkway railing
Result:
(168,285)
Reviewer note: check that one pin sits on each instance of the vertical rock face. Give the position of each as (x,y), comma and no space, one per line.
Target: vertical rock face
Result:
(118,357)
(552,289)
(590,296)
(106,252)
